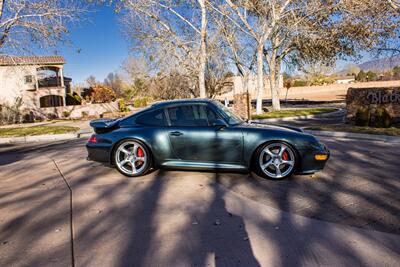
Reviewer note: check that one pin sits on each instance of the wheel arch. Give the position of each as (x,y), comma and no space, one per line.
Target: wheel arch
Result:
(256,150)
(116,144)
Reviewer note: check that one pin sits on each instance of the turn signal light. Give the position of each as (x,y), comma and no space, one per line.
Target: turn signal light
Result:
(321,157)
(92,139)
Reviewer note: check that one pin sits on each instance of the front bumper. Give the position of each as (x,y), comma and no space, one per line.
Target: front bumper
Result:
(309,164)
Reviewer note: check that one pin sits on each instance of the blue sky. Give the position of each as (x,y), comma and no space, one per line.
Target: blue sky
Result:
(102,47)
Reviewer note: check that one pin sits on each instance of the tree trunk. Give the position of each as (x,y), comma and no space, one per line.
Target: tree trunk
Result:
(1,8)
(3,36)
(203,50)
(260,78)
(245,87)
(274,77)
(274,83)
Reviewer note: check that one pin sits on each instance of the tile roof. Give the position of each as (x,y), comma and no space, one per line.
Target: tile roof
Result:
(30,60)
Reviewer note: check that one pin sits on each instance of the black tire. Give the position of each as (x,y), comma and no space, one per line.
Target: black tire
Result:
(262,158)
(116,157)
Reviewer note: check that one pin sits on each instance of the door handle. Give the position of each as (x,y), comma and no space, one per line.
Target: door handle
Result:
(176,133)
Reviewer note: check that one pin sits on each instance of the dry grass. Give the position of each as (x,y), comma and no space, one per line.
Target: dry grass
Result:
(292,113)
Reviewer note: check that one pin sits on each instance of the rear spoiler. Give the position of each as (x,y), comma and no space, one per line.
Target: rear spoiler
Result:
(104,125)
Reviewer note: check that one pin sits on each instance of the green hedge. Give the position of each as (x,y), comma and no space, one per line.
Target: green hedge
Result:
(73,99)
(382,118)
(141,102)
(299,83)
(362,117)
(122,106)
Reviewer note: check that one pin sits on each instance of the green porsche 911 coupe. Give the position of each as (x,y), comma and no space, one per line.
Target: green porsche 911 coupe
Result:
(202,134)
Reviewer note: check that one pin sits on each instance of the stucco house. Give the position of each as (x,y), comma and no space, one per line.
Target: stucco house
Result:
(38,80)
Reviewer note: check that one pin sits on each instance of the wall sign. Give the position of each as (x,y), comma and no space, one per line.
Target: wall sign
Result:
(382,97)
(372,98)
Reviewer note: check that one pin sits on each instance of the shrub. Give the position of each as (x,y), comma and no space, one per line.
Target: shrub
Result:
(66,114)
(11,113)
(51,116)
(362,117)
(73,99)
(140,102)
(102,94)
(77,97)
(382,118)
(299,83)
(121,105)
(28,117)
(84,114)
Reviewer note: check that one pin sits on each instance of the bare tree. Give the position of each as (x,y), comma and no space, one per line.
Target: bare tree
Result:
(172,28)
(308,31)
(115,82)
(92,81)
(239,49)
(203,48)
(249,16)
(395,4)
(42,23)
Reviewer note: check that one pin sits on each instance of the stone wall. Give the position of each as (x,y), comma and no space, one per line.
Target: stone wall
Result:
(92,110)
(315,93)
(372,98)
(241,105)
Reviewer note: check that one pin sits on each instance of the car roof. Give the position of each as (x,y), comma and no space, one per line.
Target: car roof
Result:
(182,101)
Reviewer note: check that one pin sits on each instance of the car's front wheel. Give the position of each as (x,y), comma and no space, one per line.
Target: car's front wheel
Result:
(276,160)
(132,158)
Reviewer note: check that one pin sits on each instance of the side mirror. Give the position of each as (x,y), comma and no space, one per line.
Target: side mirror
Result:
(218,123)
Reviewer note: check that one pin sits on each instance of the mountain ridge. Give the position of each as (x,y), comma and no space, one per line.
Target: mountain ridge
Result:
(380,64)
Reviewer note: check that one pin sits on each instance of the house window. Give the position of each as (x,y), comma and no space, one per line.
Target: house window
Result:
(51,101)
(28,78)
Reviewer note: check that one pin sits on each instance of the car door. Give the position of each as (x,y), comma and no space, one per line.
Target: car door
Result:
(151,127)
(194,138)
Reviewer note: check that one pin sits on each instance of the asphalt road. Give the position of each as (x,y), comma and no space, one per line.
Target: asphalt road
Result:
(347,215)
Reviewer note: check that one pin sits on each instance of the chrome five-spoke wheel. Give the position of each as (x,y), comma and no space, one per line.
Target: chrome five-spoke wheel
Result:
(276,160)
(131,158)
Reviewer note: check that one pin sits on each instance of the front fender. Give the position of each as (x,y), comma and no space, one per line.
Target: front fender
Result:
(254,138)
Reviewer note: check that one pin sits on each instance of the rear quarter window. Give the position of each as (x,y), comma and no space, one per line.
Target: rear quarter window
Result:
(152,118)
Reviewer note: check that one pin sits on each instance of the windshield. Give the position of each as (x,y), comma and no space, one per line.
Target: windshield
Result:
(229,116)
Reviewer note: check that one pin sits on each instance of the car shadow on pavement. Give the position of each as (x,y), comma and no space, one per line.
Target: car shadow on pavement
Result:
(169,218)
(210,236)
(220,236)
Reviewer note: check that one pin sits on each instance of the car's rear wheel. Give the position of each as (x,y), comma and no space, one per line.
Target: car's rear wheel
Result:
(276,160)
(132,158)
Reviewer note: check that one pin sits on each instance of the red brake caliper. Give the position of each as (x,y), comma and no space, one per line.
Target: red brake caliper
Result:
(140,154)
(285,156)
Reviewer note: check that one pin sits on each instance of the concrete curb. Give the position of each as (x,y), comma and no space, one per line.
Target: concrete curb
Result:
(43,138)
(358,136)
(336,113)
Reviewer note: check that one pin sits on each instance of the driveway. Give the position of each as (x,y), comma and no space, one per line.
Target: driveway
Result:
(347,215)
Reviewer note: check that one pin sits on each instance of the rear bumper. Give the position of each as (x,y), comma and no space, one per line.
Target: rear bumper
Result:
(309,164)
(98,152)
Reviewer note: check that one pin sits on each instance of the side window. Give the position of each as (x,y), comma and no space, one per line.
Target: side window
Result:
(211,116)
(28,79)
(191,115)
(152,118)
